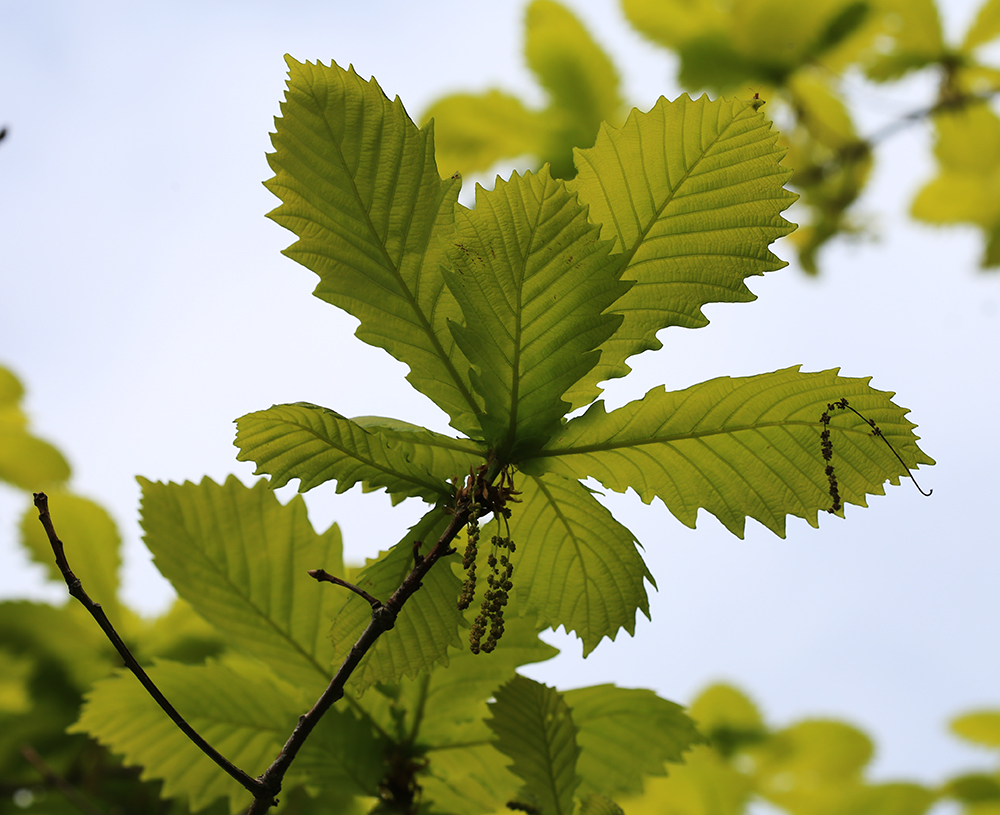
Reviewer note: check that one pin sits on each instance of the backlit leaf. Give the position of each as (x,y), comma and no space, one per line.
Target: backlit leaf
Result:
(611,721)
(986,26)
(245,719)
(534,728)
(981,727)
(316,445)
(92,544)
(575,565)
(241,559)
(740,447)
(691,193)
(533,281)
(26,461)
(360,188)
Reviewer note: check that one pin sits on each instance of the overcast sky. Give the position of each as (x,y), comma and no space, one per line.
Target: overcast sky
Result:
(145,305)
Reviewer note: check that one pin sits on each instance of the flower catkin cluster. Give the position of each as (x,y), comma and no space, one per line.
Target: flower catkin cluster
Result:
(489,621)
(827,448)
(498,586)
(469,559)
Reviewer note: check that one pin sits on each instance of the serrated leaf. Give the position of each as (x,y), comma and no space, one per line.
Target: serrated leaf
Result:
(534,728)
(986,26)
(533,281)
(360,188)
(575,565)
(692,194)
(92,544)
(741,447)
(425,628)
(26,461)
(245,719)
(316,445)
(443,457)
(981,727)
(611,721)
(241,559)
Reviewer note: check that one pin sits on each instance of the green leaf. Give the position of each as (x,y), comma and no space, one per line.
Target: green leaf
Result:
(26,461)
(534,728)
(92,544)
(815,752)
(580,78)
(911,38)
(475,131)
(706,784)
(692,194)
(241,559)
(575,565)
(740,447)
(360,188)
(727,718)
(425,628)
(65,636)
(443,457)
(599,805)
(452,700)
(533,281)
(316,445)
(985,28)
(246,719)
(980,727)
(611,722)
(672,23)
(468,780)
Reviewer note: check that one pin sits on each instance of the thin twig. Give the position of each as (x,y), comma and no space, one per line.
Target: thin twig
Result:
(52,777)
(324,576)
(76,590)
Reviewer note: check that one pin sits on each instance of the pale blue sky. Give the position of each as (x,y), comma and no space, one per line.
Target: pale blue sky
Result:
(146,305)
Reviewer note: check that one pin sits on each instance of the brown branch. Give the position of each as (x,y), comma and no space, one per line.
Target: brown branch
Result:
(76,590)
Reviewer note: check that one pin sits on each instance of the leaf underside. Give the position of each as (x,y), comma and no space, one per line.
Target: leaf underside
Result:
(360,188)
(740,447)
(534,728)
(691,192)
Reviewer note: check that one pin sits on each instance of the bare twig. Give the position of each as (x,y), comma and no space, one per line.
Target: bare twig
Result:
(76,590)
(52,777)
(324,576)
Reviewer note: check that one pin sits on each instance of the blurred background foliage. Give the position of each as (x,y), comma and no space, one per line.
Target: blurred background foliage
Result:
(793,55)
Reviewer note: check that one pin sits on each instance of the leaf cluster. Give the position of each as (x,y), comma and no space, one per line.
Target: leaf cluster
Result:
(508,315)
(795,56)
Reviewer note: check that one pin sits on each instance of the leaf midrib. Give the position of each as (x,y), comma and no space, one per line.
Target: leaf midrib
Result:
(608,445)
(424,325)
